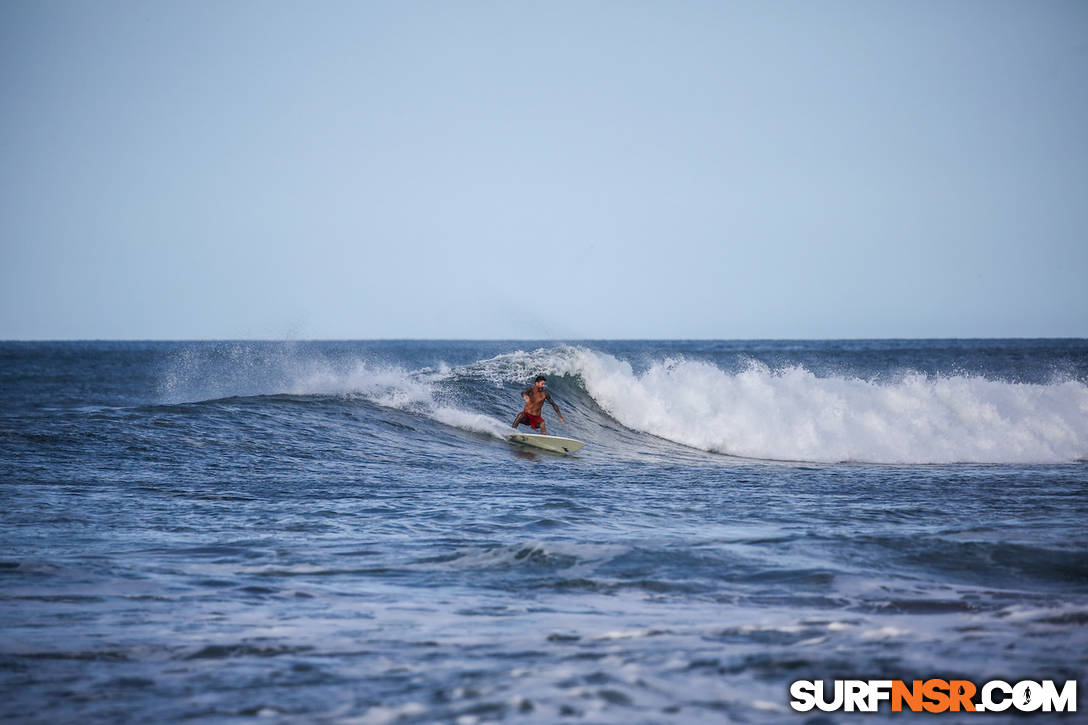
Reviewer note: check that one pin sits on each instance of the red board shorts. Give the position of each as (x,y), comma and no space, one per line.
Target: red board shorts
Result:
(533,421)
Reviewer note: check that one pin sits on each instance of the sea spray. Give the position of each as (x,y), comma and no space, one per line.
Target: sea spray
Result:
(245,370)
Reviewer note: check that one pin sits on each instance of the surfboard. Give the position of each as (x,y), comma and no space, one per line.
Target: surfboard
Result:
(557,444)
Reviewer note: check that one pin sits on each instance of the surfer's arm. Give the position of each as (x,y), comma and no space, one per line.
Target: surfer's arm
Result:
(556,408)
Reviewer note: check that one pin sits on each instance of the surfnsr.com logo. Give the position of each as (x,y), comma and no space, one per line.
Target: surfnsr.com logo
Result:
(933,695)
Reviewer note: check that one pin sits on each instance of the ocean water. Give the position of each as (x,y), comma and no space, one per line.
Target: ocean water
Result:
(340,533)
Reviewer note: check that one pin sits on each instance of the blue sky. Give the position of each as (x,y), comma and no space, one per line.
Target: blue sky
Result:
(180,170)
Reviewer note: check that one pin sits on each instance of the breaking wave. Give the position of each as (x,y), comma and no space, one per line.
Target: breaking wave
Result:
(791,414)
(753,411)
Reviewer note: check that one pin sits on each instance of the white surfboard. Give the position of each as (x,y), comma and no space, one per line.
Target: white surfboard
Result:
(557,444)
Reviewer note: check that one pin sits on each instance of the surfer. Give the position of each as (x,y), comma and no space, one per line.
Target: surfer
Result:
(534,396)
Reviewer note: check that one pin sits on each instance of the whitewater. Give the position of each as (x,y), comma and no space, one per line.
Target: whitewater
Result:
(791,414)
(340,532)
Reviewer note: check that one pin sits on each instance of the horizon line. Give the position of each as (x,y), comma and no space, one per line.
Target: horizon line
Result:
(523,339)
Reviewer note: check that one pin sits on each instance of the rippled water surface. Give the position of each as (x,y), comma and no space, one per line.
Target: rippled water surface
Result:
(339,532)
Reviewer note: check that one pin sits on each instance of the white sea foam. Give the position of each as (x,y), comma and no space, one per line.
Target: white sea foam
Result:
(791,414)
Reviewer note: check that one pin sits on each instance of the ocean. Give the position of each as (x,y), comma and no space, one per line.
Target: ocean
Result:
(339,532)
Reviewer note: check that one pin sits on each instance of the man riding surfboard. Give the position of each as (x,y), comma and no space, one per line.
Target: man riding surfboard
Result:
(534,396)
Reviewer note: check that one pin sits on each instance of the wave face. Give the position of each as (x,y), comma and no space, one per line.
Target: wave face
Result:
(819,404)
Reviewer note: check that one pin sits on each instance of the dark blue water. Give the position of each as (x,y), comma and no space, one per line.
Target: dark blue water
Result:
(339,532)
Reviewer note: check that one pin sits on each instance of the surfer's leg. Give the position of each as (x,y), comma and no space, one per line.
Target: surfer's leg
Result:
(543,428)
(517,420)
